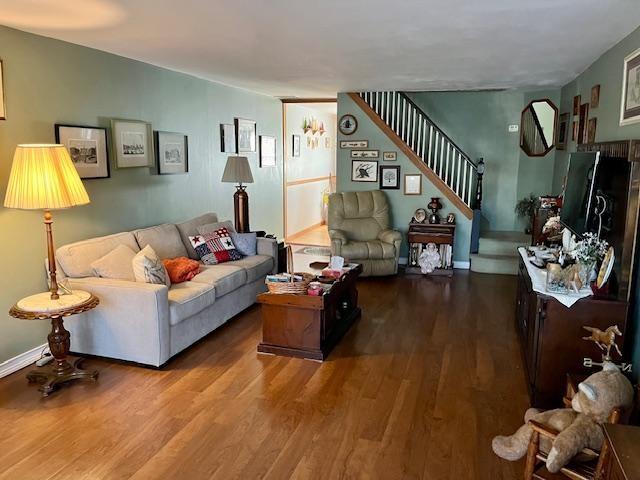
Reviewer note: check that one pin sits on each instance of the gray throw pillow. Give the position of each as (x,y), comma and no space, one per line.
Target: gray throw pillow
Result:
(245,243)
(212,227)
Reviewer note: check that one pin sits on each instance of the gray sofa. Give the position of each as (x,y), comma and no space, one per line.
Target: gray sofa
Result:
(149,324)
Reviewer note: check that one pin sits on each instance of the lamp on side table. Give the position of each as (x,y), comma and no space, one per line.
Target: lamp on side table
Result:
(237,170)
(43,178)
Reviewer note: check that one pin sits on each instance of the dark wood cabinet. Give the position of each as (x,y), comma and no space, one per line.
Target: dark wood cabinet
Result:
(551,337)
(623,462)
(420,234)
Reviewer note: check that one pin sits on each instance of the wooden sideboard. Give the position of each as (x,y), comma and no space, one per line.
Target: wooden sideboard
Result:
(551,337)
(623,460)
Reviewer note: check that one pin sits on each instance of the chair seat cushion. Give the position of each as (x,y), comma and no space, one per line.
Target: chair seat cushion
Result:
(188,298)
(256,266)
(224,277)
(372,249)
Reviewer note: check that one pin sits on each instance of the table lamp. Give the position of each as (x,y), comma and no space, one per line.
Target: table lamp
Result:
(43,178)
(237,170)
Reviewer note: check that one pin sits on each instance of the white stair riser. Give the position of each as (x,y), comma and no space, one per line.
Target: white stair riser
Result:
(492,246)
(506,265)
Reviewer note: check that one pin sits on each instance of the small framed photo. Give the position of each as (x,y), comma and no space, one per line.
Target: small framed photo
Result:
(227,138)
(267,151)
(245,135)
(591,130)
(354,143)
(295,147)
(87,147)
(563,132)
(132,143)
(389,177)
(574,131)
(413,184)
(595,96)
(365,153)
(389,156)
(576,105)
(3,108)
(348,124)
(172,153)
(630,102)
(582,123)
(364,171)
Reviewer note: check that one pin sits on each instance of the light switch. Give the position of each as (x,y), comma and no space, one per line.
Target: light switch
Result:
(513,128)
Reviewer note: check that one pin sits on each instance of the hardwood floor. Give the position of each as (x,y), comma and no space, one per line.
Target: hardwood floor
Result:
(317,236)
(416,389)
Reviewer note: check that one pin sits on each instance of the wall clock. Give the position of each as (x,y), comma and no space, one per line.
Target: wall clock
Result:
(348,124)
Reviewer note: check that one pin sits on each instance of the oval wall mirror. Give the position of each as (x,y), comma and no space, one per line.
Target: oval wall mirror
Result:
(538,126)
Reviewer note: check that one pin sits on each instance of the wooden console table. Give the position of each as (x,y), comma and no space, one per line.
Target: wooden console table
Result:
(623,462)
(442,234)
(306,326)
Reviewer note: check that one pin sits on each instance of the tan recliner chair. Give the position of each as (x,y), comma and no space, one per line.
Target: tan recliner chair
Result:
(359,231)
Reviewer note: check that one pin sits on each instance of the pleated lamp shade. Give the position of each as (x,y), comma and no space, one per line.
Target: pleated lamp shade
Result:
(237,170)
(43,178)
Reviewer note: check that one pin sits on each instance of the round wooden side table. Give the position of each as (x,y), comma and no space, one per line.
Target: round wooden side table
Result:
(42,307)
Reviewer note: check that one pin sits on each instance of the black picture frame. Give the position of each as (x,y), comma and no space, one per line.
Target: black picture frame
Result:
(62,135)
(163,167)
(244,124)
(295,146)
(348,124)
(360,174)
(394,168)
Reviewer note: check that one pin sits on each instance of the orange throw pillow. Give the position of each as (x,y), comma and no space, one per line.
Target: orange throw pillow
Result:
(181,269)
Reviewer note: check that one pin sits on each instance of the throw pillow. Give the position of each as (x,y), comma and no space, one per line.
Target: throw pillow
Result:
(246,243)
(148,268)
(116,264)
(212,227)
(181,269)
(215,247)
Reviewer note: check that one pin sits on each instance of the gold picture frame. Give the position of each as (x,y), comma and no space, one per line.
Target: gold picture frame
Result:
(3,107)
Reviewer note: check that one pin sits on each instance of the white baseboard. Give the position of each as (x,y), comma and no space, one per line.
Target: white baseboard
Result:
(461,265)
(22,360)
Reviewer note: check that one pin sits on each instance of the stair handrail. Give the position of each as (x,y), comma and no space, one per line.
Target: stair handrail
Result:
(438,129)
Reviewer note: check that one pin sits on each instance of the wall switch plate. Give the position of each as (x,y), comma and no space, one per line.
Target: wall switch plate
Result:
(513,128)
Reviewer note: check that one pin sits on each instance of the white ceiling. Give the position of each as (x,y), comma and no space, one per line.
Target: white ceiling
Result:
(303,48)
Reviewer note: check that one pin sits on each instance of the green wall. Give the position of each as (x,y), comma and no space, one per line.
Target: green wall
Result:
(606,71)
(48,82)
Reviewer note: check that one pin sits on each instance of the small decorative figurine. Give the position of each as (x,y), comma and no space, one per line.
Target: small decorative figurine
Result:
(420,215)
(434,205)
(451,218)
(429,259)
(604,340)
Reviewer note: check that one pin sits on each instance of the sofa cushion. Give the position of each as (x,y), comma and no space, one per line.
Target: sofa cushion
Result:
(148,268)
(116,264)
(215,247)
(188,298)
(76,258)
(372,249)
(224,277)
(212,227)
(190,228)
(164,239)
(246,243)
(256,266)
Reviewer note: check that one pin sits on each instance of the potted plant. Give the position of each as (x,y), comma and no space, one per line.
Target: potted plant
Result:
(526,208)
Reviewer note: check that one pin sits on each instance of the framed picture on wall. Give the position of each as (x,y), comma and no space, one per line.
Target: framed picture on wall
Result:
(132,143)
(563,132)
(630,102)
(267,151)
(295,147)
(389,177)
(591,130)
(576,105)
(227,138)
(3,109)
(87,147)
(389,156)
(348,124)
(172,153)
(413,184)
(354,143)
(245,135)
(364,171)
(365,153)
(595,96)
(582,123)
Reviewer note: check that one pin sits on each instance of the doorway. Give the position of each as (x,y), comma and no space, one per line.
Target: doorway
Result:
(309,169)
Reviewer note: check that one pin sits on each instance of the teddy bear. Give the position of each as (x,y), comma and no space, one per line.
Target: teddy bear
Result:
(580,426)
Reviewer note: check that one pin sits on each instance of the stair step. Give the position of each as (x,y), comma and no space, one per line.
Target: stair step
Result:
(502,242)
(500,264)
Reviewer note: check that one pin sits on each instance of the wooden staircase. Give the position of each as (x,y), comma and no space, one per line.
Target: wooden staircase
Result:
(445,164)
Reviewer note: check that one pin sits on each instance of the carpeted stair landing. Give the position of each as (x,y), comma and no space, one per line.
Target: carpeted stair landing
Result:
(498,252)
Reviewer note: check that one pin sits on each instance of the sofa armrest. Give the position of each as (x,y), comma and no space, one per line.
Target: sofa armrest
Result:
(131,323)
(268,246)
(338,239)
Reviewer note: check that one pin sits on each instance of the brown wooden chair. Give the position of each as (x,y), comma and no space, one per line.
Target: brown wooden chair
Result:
(592,469)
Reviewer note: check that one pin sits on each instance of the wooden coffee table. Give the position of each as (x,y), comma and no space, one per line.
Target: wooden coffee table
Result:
(306,326)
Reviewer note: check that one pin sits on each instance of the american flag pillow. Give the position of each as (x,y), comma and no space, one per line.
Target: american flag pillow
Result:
(215,247)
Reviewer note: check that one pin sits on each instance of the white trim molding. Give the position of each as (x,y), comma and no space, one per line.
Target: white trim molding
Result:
(22,360)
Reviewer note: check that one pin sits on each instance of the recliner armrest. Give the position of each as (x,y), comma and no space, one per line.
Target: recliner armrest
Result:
(390,236)
(338,235)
